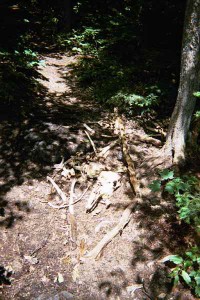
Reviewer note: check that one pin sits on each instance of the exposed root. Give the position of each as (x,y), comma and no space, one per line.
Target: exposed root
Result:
(67,205)
(125,218)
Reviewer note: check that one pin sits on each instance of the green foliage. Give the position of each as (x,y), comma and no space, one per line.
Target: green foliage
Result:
(187,268)
(197,114)
(197,94)
(187,195)
(27,58)
(17,73)
(131,101)
(155,186)
(87,41)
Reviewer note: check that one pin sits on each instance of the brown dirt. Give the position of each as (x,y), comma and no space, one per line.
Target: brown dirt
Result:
(35,242)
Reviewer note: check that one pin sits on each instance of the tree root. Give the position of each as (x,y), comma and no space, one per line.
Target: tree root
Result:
(125,218)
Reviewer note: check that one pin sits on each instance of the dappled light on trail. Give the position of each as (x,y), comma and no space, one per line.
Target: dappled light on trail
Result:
(67,197)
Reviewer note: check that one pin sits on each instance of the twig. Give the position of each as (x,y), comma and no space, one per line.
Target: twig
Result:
(59,191)
(71,217)
(41,246)
(107,148)
(71,197)
(67,205)
(145,291)
(60,165)
(91,141)
(88,128)
(125,218)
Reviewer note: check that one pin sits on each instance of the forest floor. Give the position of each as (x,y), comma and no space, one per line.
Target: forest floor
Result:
(40,257)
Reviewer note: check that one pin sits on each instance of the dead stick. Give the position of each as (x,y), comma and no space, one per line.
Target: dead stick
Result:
(107,148)
(59,191)
(91,141)
(89,128)
(67,205)
(125,218)
(71,217)
(71,198)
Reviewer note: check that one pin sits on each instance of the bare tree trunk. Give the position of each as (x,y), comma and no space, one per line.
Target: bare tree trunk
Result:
(189,83)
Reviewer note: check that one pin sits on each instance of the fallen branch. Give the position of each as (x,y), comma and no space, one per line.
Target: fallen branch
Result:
(120,129)
(125,218)
(59,191)
(91,142)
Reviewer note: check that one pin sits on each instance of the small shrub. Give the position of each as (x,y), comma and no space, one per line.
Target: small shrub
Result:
(187,268)
(187,195)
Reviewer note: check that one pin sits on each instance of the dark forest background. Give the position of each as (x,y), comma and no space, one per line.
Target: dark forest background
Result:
(129,50)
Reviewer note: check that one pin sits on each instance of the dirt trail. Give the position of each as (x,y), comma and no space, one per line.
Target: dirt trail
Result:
(35,238)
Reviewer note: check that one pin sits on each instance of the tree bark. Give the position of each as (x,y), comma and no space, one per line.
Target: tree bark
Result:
(189,83)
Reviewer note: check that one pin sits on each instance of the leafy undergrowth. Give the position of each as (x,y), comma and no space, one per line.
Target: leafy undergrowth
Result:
(187,195)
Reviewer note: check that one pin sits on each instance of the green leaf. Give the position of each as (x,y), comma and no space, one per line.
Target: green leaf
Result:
(189,253)
(167,174)
(155,185)
(170,188)
(176,259)
(197,94)
(187,263)
(176,279)
(186,277)
(197,279)
(197,290)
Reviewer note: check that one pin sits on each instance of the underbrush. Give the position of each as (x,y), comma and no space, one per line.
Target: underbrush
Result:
(186,190)
(18,78)
(119,73)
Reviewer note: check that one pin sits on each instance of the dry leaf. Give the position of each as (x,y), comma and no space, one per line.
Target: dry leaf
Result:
(75,273)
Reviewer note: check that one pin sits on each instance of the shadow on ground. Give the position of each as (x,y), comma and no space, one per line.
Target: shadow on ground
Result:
(32,141)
